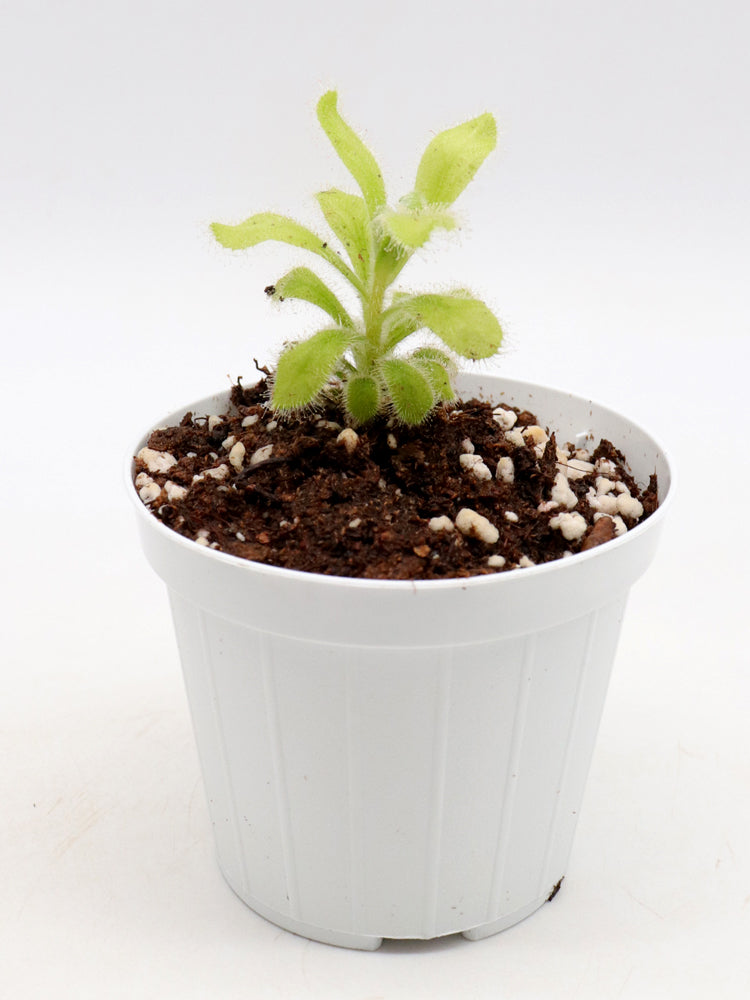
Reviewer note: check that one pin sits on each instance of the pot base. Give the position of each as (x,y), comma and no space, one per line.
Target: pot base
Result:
(368,942)
(340,939)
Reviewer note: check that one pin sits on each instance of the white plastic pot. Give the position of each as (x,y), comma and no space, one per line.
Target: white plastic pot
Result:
(390,759)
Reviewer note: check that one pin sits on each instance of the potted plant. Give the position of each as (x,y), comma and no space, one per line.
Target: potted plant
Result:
(397,591)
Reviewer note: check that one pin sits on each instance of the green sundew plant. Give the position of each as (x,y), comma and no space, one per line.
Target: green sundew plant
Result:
(363,357)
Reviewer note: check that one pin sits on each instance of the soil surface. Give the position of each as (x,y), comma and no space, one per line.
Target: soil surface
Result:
(474,490)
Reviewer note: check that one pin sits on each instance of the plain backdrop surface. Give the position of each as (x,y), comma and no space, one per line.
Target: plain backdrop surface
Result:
(609,233)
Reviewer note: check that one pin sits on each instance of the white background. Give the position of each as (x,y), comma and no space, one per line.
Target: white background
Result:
(609,233)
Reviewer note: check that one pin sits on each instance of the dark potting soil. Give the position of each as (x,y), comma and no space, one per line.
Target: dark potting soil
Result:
(477,489)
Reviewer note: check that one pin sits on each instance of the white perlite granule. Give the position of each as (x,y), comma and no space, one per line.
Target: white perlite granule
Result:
(506,418)
(442,523)
(561,493)
(629,507)
(349,439)
(174,491)
(506,470)
(261,455)
(572,526)
(237,455)
(475,465)
(475,525)
(156,461)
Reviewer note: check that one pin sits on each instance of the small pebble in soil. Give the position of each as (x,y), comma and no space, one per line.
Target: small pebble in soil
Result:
(537,436)
(605,503)
(261,455)
(475,465)
(156,461)
(561,493)
(600,532)
(605,468)
(149,492)
(572,526)
(506,470)
(174,491)
(577,468)
(442,523)
(237,455)
(506,418)
(629,507)
(475,525)
(349,439)
(620,526)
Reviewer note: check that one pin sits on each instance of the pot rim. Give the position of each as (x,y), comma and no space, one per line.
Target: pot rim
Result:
(501,579)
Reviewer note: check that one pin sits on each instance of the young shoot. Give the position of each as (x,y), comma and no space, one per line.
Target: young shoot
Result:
(363,358)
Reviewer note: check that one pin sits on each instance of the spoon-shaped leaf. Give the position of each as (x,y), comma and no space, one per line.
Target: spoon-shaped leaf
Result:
(463,323)
(452,159)
(362,397)
(302,283)
(410,391)
(304,368)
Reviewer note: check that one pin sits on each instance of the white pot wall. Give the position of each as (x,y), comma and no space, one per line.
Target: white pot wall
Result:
(402,759)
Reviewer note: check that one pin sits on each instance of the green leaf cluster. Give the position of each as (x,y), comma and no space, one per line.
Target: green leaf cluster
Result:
(362,356)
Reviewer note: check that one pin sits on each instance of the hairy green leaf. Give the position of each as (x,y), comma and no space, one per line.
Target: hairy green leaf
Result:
(305,368)
(434,354)
(437,375)
(362,398)
(464,324)
(439,368)
(302,283)
(355,156)
(452,159)
(269,226)
(409,389)
(409,229)
(347,216)
(397,326)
